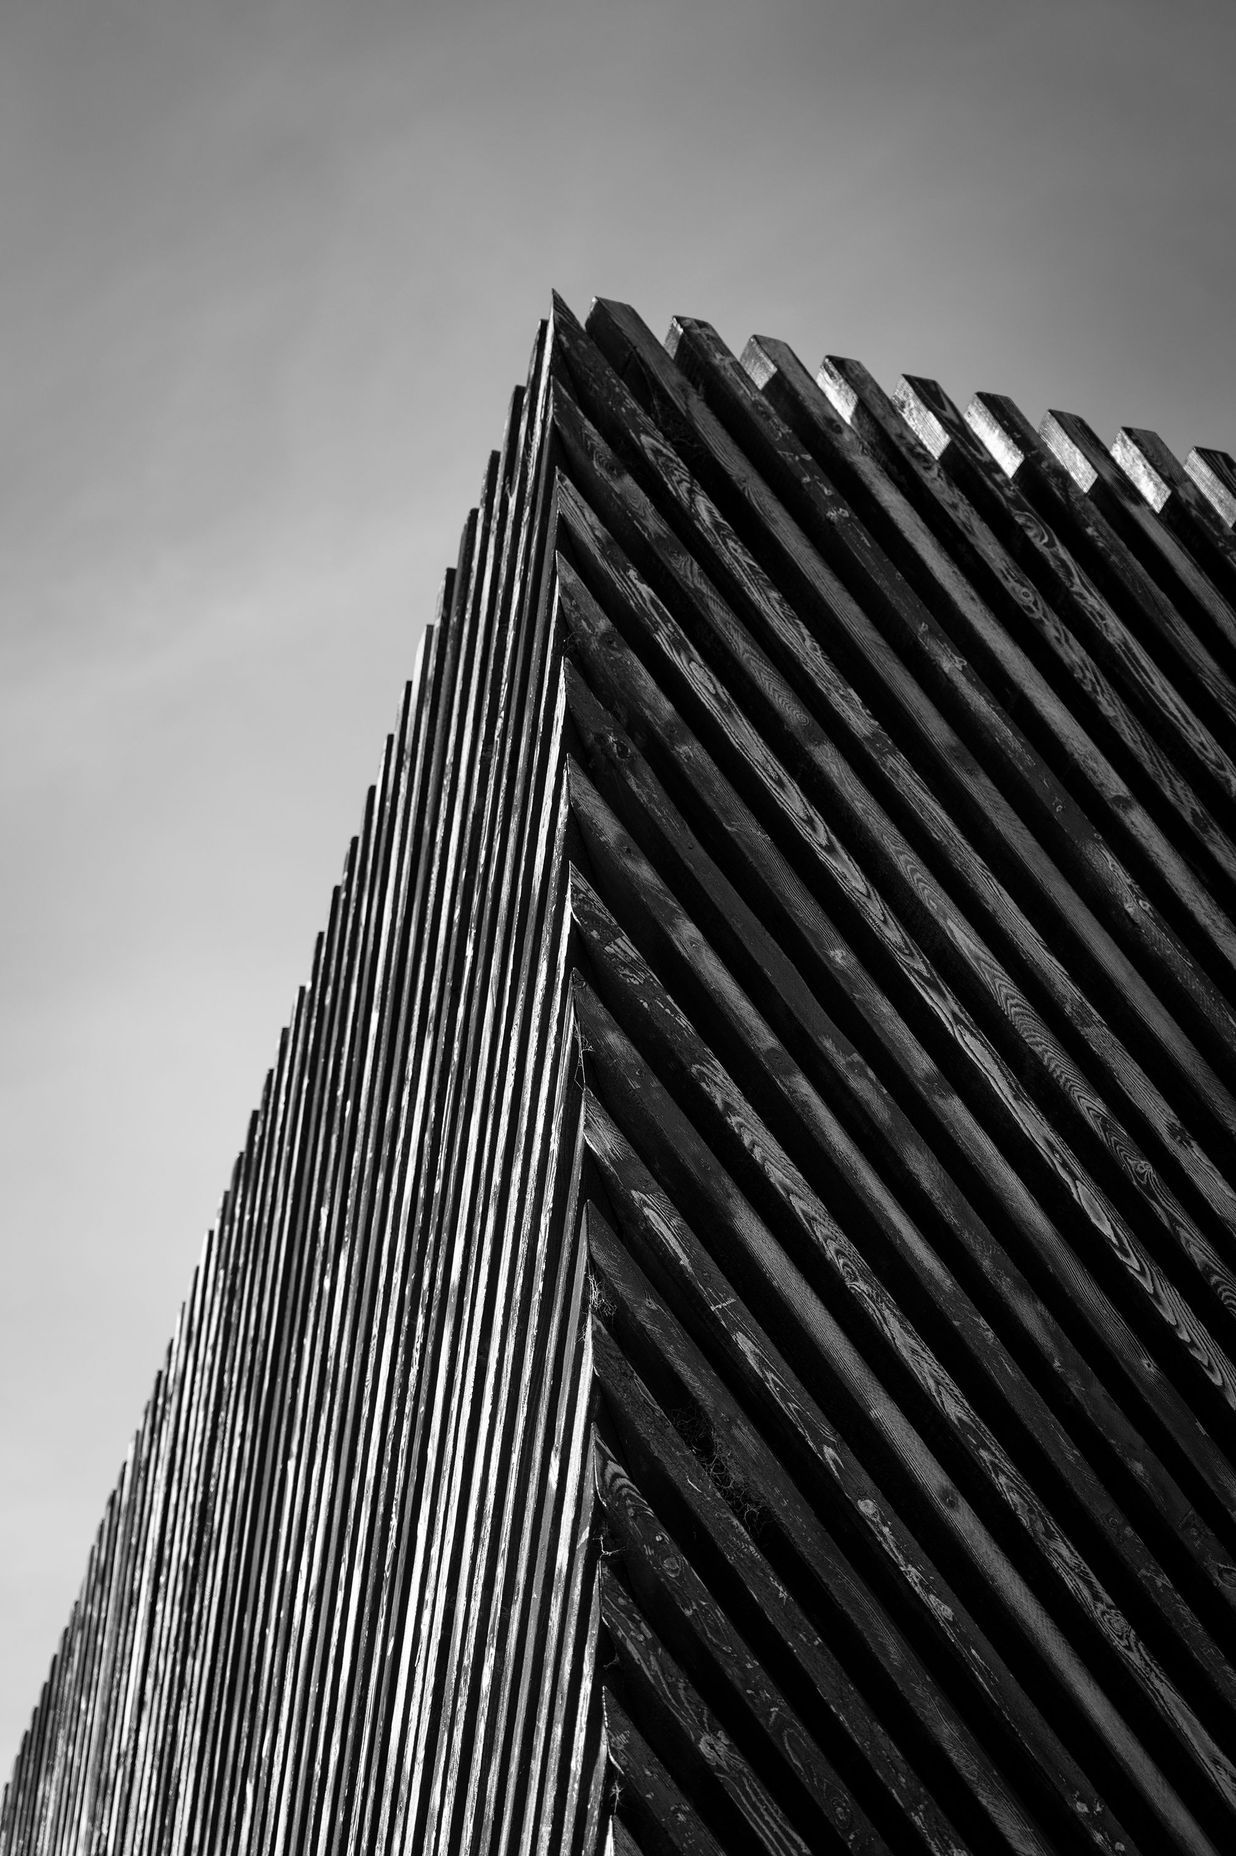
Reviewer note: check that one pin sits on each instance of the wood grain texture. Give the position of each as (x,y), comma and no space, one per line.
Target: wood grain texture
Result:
(722,1336)
(1214,473)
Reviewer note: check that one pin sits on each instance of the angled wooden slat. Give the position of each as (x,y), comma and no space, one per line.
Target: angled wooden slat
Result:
(971,1532)
(962,782)
(1192,593)
(782,884)
(697,1739)
(1214,473)
(721,1334)
(758,1603)
(809,1554)
(919,800)
(875,1124)
(1077,852)
(697,978)
(1161,478)
(1004,428)
(1028,630)
(666,1588)
(1171,743)
(807,828)
(646,1794)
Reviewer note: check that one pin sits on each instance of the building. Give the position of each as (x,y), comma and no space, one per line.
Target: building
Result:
(721,1336)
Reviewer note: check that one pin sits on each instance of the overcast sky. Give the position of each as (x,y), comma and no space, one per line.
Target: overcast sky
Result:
(268,271)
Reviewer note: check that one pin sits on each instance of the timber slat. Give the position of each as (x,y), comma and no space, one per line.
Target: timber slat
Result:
(1214,473)
(806,827)
(787,999)
(1190,590)
(1051,486)
(1125,986)
(646,1794)
(659,1689)
(657,1570)
(1160,477)
(809,1558)
(1171,728)
(722,1333)
(697,978)
(939,1505)
(828,1703)
(1013,626)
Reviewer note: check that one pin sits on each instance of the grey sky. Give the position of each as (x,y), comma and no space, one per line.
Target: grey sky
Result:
(269,271)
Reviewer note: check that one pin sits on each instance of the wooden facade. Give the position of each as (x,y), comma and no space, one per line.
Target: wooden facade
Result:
(722,1337)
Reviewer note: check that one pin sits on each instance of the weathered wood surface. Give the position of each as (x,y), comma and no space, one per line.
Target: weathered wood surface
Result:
(776,615)
(1214,473)
(723,1333)
(1167,486)
(343,1583)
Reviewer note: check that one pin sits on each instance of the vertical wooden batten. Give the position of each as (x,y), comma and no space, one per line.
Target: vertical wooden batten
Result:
(722,1336)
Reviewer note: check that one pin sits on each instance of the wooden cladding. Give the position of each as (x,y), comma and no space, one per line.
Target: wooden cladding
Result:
(722,1335)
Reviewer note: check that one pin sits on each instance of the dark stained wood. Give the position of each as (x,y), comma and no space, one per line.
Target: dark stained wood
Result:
(657,1687)
(645,1795)
(809,1555)
(744,660)
(1177,745)
(1214,473)
(721,1334)
(669,1591)
(1160,477)
(830,1706)
(807,825)
(790,1303)
(955,771)
(880,1128)
(1192,593)
(1013,627)
(1123,908)
(686,962)
(1001,424)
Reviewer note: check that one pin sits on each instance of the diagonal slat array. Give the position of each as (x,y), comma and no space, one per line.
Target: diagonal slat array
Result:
(906,1004)
(722,1335)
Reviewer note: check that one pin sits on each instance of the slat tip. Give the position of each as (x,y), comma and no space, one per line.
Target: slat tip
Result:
(916,399)
(1214,473)
(755,362)
(1147,463)
(689,328)
(998,424)
(1068,438)
(833,377)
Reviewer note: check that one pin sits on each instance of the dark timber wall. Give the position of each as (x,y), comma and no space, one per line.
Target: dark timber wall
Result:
(721,1336)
